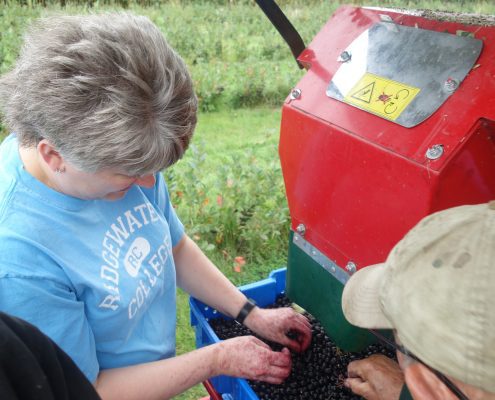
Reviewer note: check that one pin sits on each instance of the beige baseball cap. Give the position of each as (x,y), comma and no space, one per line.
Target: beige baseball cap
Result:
(437,290)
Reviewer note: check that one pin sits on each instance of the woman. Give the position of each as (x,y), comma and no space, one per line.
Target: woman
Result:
(92,249)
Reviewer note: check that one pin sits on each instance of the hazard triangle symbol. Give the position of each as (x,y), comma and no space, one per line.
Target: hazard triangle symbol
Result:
(365,93)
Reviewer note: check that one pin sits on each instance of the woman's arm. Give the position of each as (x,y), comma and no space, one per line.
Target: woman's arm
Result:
(198,276)
(245,357)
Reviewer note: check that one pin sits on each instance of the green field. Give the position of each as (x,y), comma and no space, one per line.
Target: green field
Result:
(228,189)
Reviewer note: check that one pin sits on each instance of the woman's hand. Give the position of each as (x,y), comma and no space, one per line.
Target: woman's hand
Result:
(250,358)
(281,325)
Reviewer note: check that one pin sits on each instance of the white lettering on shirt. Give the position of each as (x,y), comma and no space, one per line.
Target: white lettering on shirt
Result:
(157,262)
(137,252)
(140,260)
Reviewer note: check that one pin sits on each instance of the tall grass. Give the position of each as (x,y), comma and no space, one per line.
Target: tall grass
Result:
(236,57)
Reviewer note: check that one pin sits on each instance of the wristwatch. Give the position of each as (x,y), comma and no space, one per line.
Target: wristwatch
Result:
(248,306)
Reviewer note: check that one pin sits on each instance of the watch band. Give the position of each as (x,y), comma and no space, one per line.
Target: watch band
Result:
(245,310)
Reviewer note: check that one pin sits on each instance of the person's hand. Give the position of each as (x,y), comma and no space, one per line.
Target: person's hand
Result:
(281,325)
(375,378)
(250,358)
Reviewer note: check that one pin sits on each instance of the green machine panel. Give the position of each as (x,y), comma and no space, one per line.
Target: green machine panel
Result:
(316,283)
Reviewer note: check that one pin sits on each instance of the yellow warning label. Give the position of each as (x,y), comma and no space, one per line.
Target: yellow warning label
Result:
(381,96)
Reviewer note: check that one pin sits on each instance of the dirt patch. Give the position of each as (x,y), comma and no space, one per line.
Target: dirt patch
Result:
(463,18)
(444,16)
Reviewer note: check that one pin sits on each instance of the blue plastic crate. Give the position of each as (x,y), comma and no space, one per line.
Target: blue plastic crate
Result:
(264,292)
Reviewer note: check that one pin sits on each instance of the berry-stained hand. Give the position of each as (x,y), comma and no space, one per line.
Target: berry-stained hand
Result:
(375,378)
(250,358)
(281,325)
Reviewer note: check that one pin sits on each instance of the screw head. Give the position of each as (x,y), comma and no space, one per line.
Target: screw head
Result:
(434,152)
(345,56)
(351,267)
(450,85)
(295,93)
(301,229)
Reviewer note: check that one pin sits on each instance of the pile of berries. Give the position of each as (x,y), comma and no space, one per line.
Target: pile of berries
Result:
(318,373)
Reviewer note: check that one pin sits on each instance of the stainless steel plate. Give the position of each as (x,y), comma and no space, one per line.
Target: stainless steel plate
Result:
(401,73)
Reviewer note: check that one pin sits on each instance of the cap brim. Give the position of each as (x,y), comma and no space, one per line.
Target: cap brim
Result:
(361,298)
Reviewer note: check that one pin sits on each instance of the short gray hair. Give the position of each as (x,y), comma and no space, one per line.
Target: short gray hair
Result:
(106,90)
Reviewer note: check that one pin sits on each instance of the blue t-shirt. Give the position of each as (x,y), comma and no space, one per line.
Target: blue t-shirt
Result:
(96,276)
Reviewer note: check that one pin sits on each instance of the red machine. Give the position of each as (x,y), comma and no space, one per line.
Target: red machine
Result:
(393,120)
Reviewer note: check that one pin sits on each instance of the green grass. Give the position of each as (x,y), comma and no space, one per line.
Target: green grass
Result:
(238,131)
(234,155)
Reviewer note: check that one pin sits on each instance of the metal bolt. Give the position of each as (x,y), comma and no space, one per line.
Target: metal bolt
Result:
(350,267)
(345,56)
(450,85)
(301,229)
(333,269)
(295,94)
(386,18)
(434,152)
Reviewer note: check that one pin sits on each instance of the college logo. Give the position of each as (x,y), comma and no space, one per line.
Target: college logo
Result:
(137,252)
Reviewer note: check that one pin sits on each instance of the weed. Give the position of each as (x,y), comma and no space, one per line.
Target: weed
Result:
(237,210)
